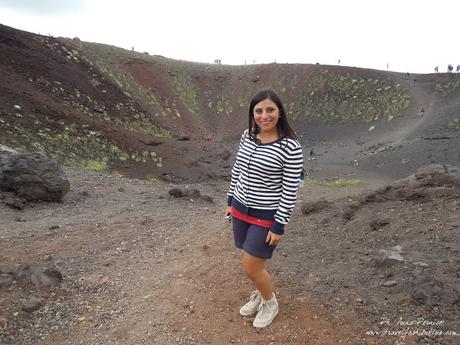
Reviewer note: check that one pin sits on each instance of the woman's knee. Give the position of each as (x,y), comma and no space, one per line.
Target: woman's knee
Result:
(252,272)
(253,267)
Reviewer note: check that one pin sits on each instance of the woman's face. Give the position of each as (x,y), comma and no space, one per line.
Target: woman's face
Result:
(266,116)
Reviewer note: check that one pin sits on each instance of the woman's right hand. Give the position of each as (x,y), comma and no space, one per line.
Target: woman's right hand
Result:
(227,211)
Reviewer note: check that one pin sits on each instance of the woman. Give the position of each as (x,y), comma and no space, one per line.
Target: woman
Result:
(262,195)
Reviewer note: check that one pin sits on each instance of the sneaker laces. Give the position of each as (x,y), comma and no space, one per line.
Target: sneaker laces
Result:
(254,295)
(261,306)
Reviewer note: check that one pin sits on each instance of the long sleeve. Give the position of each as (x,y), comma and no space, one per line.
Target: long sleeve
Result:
(290,183)
(233,181)
(235,172)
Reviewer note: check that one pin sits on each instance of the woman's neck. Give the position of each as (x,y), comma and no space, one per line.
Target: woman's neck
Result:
(268,136)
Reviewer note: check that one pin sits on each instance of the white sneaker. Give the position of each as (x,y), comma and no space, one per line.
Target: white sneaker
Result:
(250,308)
(267,312)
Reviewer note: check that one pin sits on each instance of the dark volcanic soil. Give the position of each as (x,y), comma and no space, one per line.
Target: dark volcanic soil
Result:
(141,267)
(78,99)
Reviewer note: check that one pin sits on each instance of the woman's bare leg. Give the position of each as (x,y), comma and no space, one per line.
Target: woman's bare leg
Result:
(255,269)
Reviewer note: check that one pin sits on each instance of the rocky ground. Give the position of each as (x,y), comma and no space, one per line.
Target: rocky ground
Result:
(357,265)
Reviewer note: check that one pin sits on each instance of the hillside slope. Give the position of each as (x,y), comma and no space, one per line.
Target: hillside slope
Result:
(129,113)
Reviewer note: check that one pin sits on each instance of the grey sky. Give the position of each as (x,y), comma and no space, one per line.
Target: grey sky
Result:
(409,35)
(45,7)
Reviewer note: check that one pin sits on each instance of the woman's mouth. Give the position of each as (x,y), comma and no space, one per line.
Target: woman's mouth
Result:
(265,123)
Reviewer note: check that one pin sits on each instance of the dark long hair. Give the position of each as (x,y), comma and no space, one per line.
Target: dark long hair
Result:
(284,129)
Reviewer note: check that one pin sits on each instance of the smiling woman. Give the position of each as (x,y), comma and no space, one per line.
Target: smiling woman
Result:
(262,195)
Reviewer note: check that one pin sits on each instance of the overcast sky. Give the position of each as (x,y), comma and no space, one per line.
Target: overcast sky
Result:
(409,35)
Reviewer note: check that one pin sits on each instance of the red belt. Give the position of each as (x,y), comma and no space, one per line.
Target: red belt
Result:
(264,223)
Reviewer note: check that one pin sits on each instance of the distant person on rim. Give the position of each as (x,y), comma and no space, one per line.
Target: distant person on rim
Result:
(262,194)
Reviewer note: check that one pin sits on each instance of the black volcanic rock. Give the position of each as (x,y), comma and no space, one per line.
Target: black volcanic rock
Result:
(33,177)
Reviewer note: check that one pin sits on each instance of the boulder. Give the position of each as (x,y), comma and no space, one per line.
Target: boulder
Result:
(6,280)
(314,206)
(419,186)
(176,193)
(32,304)
(379,223)
(385,257)
(33,176)
(38,277)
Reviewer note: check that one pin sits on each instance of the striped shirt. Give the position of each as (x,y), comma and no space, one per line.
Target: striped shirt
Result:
(265,178)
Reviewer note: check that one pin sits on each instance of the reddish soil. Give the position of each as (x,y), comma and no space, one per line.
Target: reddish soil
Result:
(142,267)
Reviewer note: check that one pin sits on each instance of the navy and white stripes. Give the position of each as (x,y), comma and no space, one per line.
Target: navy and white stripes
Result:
(265,178)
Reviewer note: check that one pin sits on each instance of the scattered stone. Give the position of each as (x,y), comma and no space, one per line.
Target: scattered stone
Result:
(350,210)
(194,193)
(384,257)
(314,206)
(422,264)
(397,248)
(152,142)
(390,283)
(225,155)
(17,107)
(421,296)
(32,304)
(170,177)
(379,223)
(437,137)
(99,109)
(207,198)
(6,280)
(183,138)
(84,194)
(176,193)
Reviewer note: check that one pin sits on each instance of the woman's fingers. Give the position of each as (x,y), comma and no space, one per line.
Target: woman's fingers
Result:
(272,239)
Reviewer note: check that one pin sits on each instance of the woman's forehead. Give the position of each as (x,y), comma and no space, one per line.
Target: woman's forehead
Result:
(265,104)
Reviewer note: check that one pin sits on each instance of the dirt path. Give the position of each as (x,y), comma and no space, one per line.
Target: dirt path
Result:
(143,268)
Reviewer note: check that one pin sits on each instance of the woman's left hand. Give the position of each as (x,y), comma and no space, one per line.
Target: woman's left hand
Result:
(272,238)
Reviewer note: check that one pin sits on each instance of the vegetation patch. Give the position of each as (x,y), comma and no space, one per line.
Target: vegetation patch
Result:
(344,183)
(73,145)
(183,86)
(221,105)
(312,182)
(453,123)
(338,97)
(445,89)
(102,57)
(334,183)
